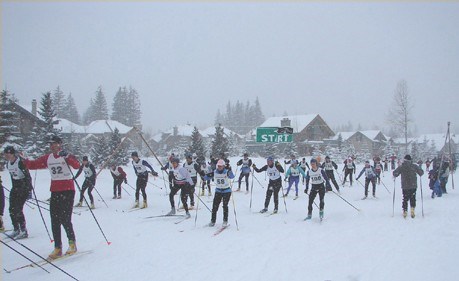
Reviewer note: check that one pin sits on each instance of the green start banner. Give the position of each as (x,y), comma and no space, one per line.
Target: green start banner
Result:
(274,134)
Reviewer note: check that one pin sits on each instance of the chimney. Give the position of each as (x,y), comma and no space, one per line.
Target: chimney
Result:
(34,107)
(285,122)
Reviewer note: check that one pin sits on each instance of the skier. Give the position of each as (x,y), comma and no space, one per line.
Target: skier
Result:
(349,169)
(119,175)
(205,180)
(408,170)
(2,205)
(246,163)
(318,177)
(443,174)
(370,176)
(273,169)
(378,168)
(170,173)
(434,183)
(140,169)
(329,166)
(222,176)
(293,177)
(58,163)
(89,181)
(392,162)
(193,169)
(21,188)
(428,164)
(304,164)
(182,182)
(292,159)
(386,164)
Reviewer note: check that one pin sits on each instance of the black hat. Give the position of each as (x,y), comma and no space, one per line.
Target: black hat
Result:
(134,153)
(175,160)
(327,157)
(9,149)
(313,160)
(55,139)
(85,158)
(407,157)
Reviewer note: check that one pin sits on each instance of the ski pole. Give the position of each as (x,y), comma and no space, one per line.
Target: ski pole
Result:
(385,187)
(253,174)
(313,201)
(131,186)
(202,202)
(234,207)
(346,201)
(26,203)
(422,198)
(22,255)
(99,196)
(125,190)
(283,196)
(197,207)
(32,251)
(92,213)
(393,201)
(251,191)
(39,210)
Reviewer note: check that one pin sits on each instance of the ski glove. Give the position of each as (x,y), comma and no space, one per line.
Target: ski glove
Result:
(253,165)
(125,181)
(306,190)
(155,174)
(63,153)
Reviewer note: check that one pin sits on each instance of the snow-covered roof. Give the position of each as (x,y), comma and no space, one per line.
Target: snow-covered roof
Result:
(182,130)
(344,135)
(68,127)
(96,127)
(298,122)
(371,134)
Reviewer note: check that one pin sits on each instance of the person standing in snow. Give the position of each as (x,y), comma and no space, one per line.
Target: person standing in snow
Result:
(182,182)
(370,176)
(205,180)
(58,162)
(428,164)
(140,169)
(89,181)
(273,169)
(408,171)
(293,177)
(319,181)
(378,168)
(246,163)
(119,175)
(193,169)
(329,166)
(304,164)
(21,188)
(349,169)
(170,173)
(222,177)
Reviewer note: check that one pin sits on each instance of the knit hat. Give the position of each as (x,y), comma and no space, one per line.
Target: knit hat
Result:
(134,153)
(407,157)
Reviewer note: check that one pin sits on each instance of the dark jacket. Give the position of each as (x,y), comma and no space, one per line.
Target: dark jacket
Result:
(408,170)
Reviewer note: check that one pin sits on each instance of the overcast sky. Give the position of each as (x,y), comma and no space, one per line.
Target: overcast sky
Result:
(186,60)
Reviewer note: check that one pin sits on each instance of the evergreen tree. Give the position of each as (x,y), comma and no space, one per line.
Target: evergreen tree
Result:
(46,111)
(121,156)
(59,102)
(271,149)
(197,144)
(258,117)
(100,110)
(290,149)
(9,120)
(35,144)
(119,107)
(100,151)
(219,143)
(73,144)
(70,111)
(134,112)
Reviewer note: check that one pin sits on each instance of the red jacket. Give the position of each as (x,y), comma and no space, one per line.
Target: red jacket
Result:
(122,175)
(42,163)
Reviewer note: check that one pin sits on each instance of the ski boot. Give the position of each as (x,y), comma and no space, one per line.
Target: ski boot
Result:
(56,253)
(136,204)
(365,197)
(321,214)
(239,189)
(187,215)
(405,213)
(412,213)
(374,195)
(22,235)
(210,193)
(79,204)
(309,216)
(286,194)
(171,213)
(119,196)
(264,210)
(202,192)
(114,196)
(15,233)
(144,205)
(72,248)
(225,224)
(2,227)
(275,211)
(92,205)
(211,224)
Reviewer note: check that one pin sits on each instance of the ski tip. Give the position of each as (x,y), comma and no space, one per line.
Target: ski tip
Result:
(109,243)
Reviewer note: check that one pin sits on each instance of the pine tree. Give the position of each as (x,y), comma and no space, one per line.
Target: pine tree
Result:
(73,144)
(271,149)
(121,156)
(100,151)
(9,118)
(59,102)
(46,111)
(219,143)
(70,111)
(119,107)
(35,144)
(197,144)
(134,108)
(290,149)
(100,106)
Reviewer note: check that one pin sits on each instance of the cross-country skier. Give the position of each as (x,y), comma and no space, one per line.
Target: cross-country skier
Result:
(119,175)
(273,170)
(245,164)
(386,164)
(378,168)
(329,166)
(2,205)
(89,181)
(349,169)
(370,176)
(443,175)
(408,170)
(434,183)
(319,181)
(392,162)
(428,164)
(168,167)
(21,188)
(304,164)
(222,176)
(291,160)
(205,180)
(140,169)
(193,169)
(293,177)
(182,182)
(58,163)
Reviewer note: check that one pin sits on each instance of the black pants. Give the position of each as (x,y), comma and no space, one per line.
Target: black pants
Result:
(408,195)
(87,185)
(348,172)
(367,183)
(171,180)
(18,197)
(331,176)
(378,176)
(185,190)
(61,207)
(204,183)
(117,187)
(141,183)
(312,195)
(273,187)
(218,197)
(192,190)
(246,180)
(2,198)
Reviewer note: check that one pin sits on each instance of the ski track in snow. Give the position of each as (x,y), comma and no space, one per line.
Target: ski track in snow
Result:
(348,245)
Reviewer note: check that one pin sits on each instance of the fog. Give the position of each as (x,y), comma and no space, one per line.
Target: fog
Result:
(187,60)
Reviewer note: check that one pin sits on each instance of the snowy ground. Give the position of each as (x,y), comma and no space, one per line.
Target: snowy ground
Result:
(347,245)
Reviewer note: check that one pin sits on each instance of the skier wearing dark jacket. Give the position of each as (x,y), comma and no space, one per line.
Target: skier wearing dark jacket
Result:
(119,175)
(193,169)
(370,176)
(329,166)
(246,163)
(275,182)
(89,181)
(349,169)
(408,171)
(140,169)
(319,181)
